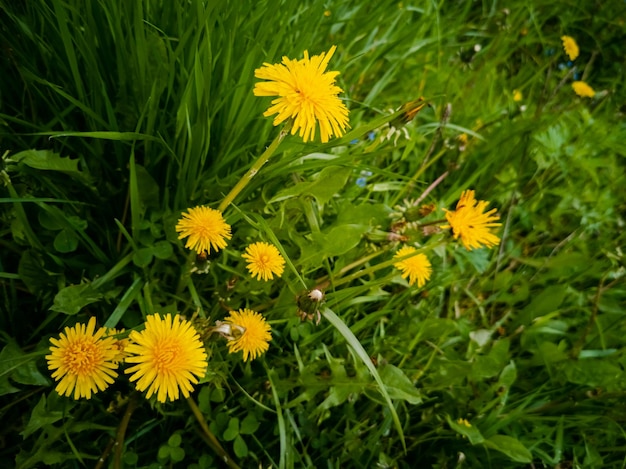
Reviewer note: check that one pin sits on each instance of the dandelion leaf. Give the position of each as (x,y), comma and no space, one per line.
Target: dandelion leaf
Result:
(40,417)
(47,160)
(398,385)
(70,300)
(323,187)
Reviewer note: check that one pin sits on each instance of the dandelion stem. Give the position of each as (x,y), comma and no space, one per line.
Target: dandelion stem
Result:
(381,265)
(243,182)
(212,441)
(121,431)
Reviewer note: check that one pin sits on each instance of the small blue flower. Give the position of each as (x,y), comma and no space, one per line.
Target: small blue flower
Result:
(562,66)
(354,141)
(371,135)
(577,76)
(570,64)
(550,51)
(361,181)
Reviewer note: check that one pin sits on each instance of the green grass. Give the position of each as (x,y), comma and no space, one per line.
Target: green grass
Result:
(117,116)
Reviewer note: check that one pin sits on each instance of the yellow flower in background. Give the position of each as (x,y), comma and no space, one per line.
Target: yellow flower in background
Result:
(264,261)
(570,47)
(416,268)
(205,228)
(517,95)
(464,422)
(250,333)
(169,357)
(83,360)
(583,90)
(119,344)
(471,223)
(306,93)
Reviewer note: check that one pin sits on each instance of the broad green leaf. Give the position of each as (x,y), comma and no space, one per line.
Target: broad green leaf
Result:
(323,187)
(399,385)
(70,300)
(249,425)
(162,250)
(240,447)
(508,375)
(595,373)
(175,440)
(465,428)
(142,257)
(65,241)
(233,429)
(46,160)
(547,301)
(510,446)
(20,367)
(41,416)
(177,454)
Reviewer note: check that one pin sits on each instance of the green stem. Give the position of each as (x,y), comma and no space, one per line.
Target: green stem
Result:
(382,265)
(243,182)
(213,443)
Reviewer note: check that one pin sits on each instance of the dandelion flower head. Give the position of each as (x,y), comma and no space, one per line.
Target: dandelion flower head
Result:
(251,333)
(305,92)
(83,360)
(169,357)
(583,90)
(264,261)
(471,223)
(570,47)
(205,228)
(416,268)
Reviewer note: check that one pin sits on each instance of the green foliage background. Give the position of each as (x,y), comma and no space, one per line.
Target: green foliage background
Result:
(115,116)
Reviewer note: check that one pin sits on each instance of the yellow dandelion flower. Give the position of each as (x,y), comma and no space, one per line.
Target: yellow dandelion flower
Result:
(305,92)
(470,223)
(416,268)
(83,360)
(119,344)
(169,357)
(464,422)
(570,47)
(250,333)
(583,90)
(517,95)
(205,228)
(264,261)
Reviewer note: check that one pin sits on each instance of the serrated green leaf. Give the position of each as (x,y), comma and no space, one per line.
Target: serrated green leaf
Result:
(46,160)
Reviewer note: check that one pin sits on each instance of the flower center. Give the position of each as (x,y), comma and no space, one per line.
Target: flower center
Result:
(166,357)
(264,260)
(82,357)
